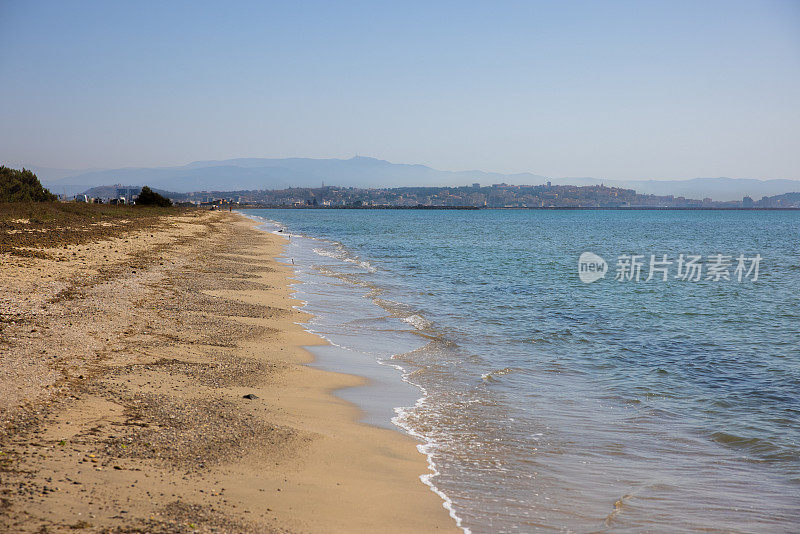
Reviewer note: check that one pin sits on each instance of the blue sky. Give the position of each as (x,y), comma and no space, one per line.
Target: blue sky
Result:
(606,89)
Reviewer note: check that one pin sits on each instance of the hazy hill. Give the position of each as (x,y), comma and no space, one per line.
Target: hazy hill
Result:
(182,179)
(259,173)
(264,173)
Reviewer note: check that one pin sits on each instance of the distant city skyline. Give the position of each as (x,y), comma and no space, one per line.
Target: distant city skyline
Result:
(473,196)
(616,90)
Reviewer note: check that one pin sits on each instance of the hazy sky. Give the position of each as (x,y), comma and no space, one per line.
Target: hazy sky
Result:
(607,89)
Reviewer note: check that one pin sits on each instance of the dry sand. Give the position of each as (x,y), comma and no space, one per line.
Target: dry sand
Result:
(123,366)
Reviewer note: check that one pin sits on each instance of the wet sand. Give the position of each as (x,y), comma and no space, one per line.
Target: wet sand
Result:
(125,361)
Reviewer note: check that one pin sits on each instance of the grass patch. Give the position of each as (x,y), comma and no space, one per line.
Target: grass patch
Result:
(25,225)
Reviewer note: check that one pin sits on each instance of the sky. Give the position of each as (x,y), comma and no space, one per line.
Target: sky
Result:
(627,90)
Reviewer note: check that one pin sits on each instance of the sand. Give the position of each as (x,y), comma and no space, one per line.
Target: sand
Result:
(124,362)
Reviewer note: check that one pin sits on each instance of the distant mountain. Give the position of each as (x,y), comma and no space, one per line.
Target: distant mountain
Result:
(264,173)
(261,173)
(182,179)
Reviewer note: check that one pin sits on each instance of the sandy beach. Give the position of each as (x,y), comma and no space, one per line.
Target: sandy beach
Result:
(125,362)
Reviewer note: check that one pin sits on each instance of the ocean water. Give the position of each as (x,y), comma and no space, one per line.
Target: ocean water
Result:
(548,404)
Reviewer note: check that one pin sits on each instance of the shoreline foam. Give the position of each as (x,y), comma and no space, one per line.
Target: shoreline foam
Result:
(417,322)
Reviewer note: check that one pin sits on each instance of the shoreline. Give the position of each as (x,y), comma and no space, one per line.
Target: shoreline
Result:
(385,390)
(373,409)
(147,427)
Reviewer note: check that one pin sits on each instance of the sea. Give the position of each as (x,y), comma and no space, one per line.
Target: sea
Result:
(570,370)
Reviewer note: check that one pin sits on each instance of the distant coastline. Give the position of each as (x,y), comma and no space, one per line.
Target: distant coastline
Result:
(475,196)
(263,174)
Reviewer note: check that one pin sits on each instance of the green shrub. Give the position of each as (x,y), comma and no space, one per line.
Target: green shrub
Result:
(22,186)
(148,197)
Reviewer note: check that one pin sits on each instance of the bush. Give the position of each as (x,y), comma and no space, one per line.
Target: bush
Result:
(22,186)
(148,197)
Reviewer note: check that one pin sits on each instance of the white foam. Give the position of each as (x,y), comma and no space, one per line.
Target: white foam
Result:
(329,253)
(342,255)
(417,321)
(426,448)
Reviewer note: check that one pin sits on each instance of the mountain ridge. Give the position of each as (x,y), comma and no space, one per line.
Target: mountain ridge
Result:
(368,172)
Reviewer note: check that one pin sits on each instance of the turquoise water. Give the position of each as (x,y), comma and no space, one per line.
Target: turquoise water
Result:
(545,403)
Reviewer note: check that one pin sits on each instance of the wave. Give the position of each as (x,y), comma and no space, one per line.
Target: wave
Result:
(417,321)
(341,254)
(427,449)
(492,376)
(404,312)
(758,447)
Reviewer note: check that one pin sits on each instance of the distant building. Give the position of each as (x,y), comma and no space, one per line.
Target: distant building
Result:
(747,202)
(128,193)
(549,184)
(476,186)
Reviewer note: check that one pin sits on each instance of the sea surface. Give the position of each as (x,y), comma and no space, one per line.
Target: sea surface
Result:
(545,403)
